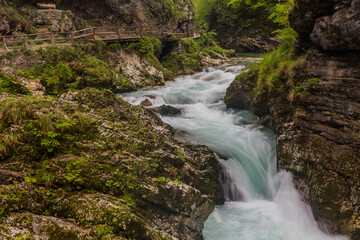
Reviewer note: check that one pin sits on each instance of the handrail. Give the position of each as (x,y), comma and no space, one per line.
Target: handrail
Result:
(94,34)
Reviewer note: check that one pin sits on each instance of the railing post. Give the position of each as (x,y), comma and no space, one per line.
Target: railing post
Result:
(26,43)
(52,40)
(141,32)
(4,44)
(94,34)
(118,33)
(72,39)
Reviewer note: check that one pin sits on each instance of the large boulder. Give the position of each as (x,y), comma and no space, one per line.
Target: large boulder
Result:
(340,31)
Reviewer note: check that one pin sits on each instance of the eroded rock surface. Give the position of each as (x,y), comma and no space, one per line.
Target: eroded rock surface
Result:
(88,165)
(319,132)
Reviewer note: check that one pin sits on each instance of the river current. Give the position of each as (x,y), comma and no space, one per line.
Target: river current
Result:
(261,202)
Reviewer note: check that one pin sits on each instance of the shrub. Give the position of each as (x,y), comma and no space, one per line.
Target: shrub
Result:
(10,84)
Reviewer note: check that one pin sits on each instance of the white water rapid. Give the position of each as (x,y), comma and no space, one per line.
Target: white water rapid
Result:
(261,203)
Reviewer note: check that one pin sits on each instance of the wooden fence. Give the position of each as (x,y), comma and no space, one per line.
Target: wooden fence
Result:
(107,34)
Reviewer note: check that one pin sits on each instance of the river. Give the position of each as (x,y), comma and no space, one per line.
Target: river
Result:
(261,202)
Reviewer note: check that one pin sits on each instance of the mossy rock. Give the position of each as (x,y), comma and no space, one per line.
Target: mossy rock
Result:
(94,160)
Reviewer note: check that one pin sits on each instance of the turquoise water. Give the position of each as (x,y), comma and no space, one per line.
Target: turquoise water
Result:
(261,203)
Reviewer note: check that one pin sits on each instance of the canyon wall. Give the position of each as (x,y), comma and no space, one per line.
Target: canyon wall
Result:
(319,129)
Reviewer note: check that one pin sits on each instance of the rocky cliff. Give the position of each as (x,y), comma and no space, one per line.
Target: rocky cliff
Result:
(169,16)
(317,121)
(88,165)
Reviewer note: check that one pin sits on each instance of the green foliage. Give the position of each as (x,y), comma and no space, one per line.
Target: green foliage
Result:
(218,50)
(10,84)
(74,170)
(239,18)
(146,45)
(183,62)
(276,67)
(203,13)
(166,10)
(207,38)
(163,180)
(275,73)
(73,68)
(193,51)
(37,130)
(313,81)
(154,165)
(189,45)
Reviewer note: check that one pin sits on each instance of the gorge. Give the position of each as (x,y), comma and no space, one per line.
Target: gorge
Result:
(79,162)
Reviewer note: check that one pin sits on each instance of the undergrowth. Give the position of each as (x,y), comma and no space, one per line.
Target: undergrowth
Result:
(10,84)
(76,68)
(193,52)
(276,72)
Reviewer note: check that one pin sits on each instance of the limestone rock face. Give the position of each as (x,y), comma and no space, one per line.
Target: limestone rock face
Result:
(56,20)
(169,16)
(318,135)
(319,132)
(11,22)
(340,31)
(251,44)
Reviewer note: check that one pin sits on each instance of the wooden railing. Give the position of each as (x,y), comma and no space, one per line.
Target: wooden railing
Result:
(58,39)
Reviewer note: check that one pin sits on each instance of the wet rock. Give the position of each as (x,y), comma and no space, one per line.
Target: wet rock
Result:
(167,110)
(252,44)
(146,103)
(317,135)
(253,122)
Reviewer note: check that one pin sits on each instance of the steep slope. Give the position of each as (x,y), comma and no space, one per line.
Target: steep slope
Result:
(88,165)
(315,111)
(240,25)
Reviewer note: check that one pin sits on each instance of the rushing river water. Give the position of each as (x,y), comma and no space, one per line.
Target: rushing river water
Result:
(261,203)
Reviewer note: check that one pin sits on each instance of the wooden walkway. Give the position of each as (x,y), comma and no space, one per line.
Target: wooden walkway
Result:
(106,34)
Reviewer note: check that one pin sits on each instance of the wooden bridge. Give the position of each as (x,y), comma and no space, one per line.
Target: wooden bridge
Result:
(106,34)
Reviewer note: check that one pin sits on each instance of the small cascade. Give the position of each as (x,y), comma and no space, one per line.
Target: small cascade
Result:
(261,203)
(231,190)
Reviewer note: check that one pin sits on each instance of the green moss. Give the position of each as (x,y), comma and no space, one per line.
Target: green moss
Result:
(57,233)
(146,45)
(40,130)
(10,84)
(313,81)
(73,68)
(189,45)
